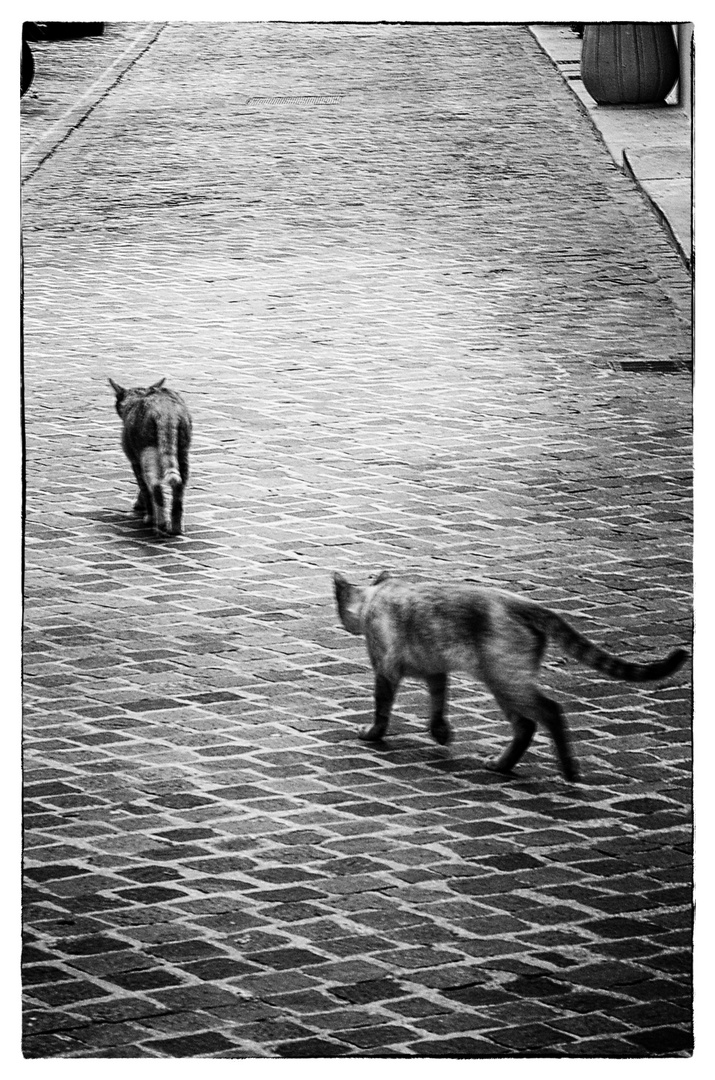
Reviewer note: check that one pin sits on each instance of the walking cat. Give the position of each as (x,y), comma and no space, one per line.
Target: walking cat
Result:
(426,631)
(156,436)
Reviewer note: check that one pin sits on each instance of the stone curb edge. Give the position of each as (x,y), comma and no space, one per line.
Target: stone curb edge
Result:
(37,154)
(657,210)
(624,164)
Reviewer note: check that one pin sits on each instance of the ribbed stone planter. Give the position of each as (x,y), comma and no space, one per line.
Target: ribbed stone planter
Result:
(629,63)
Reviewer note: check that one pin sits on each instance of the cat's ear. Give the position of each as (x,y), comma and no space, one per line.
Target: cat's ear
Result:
(382,577)
(118,390)
(350,600)
(158,385)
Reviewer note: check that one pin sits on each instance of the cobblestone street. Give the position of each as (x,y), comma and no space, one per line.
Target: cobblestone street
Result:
(423,323)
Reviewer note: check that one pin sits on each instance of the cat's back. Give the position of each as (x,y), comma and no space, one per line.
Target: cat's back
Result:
(146,414)
(427,628)
(440,612)
(438,596)
(168,406)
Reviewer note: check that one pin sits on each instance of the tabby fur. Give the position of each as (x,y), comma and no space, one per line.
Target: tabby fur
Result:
(429,630)
(156,435)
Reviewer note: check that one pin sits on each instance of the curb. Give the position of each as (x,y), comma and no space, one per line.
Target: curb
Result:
(616,131)
(642,186)
(36,155)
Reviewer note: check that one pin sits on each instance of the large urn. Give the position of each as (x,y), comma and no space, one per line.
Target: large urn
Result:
(629,63)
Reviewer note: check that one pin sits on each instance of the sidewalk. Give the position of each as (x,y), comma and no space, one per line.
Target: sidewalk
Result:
(654,146)
(412,336)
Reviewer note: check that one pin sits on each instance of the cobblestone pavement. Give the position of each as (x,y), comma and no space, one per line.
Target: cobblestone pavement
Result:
(423,323)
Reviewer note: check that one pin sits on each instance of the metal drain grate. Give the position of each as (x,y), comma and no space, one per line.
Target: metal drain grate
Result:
(665,367)
(297,99)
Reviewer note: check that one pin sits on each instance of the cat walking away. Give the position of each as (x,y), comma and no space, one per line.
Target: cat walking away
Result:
(156,435)
(427,630)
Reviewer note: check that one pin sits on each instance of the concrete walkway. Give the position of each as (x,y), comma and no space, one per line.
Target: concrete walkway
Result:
(413,334)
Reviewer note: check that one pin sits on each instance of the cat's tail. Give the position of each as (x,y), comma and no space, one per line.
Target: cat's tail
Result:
(575,644)
(167,447)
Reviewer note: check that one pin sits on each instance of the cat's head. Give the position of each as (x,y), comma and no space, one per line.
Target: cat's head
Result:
(351,600)
(124,397)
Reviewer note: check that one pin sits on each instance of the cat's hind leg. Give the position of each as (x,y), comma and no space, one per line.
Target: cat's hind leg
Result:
(142,506)
(182,454)
(161,524)
(513,688)
(524,730)
(177,507)
(526,707)
(156,500)
(439,729)
(552,717)
(385,691)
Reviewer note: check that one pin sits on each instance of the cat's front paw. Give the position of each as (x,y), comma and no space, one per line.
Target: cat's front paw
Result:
(441,733)
(373,733)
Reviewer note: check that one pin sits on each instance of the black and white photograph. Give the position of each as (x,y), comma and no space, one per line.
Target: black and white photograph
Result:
(356,396)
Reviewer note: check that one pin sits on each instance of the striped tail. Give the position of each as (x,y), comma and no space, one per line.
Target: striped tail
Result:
(167,442)
(578,646)
(170,477)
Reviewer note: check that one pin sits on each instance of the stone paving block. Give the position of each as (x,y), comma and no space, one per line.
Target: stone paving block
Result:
(464,1047)
(369,990)
(68,992)
(310,1048)
(378,1035)
(270,1031)
(202,1044)
(533,1037)
(663,1040)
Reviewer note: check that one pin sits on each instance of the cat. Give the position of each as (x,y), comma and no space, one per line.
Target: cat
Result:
(156,436)
(428,630)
